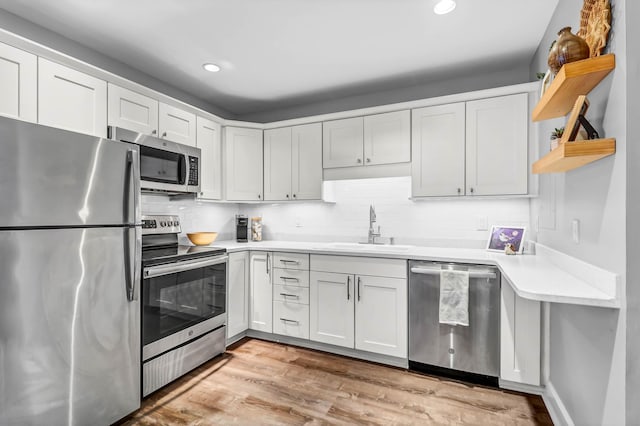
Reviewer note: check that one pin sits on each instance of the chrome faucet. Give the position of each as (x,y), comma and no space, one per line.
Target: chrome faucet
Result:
(372,219)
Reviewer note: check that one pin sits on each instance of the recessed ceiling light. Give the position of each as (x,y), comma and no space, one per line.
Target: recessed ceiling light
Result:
(211,67)
(444,7)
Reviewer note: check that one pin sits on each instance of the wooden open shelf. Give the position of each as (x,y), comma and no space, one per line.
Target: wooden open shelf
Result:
(571,155)
(573,79)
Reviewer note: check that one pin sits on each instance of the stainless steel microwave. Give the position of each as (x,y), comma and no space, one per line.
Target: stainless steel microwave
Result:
(164,166)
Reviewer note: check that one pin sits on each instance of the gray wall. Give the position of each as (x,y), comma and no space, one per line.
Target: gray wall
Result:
(31,31)
(465,80)
(587,348)
(633,211)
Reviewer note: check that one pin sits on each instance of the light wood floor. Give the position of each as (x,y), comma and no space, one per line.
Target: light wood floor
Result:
(257,382)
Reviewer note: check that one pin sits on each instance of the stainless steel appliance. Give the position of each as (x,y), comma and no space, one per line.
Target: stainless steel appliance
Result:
(470,353)
(242,229)
(184,293)
(165,166)
(69,277)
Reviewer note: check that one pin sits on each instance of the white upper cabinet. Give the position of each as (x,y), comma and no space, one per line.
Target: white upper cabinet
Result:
(208,140)
(371,140)
(497,145)
(474,148)
(18,83)
(306,162)
(243,164)
(177,125)
(131,110)
(293,163)
(438,147)
(277,164)
(387,138)
(342,142)
(71,100)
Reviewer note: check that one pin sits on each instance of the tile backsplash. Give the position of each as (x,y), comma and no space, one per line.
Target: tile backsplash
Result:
(438,222)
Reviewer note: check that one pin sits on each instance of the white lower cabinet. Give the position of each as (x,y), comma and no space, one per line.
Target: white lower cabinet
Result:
(238,293)
(290,280)
(519,337)
(356,310)
(291,319)
(260,300)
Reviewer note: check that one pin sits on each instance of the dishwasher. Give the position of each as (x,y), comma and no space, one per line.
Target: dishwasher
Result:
(469,353)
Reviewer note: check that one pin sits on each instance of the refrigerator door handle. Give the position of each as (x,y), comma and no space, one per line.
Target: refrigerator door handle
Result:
(133,177)
(137,264)
(132,261)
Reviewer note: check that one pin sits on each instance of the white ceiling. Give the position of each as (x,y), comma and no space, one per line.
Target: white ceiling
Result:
(276,53)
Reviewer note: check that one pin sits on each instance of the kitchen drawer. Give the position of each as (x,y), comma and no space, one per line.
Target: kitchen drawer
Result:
(377,267)
(293,294)
(291,261)
(291,277)
(291,319)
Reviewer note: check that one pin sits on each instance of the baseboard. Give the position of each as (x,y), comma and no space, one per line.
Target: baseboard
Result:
(558,412)
(232,339)
(521,387)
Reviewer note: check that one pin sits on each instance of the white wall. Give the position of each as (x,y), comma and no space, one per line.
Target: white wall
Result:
(444,223)
(587,349)
(633,210)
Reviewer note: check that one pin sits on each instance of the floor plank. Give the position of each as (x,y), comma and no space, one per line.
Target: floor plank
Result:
(259,382)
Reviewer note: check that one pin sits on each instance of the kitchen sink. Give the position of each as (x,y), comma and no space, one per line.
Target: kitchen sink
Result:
(366,247)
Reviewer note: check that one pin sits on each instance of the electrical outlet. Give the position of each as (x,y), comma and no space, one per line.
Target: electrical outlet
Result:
(482,223)
(575,230)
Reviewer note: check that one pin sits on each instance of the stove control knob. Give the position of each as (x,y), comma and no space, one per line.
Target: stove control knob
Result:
(163,224)
(176,223)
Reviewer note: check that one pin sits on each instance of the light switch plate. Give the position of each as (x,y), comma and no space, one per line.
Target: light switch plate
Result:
(482,223)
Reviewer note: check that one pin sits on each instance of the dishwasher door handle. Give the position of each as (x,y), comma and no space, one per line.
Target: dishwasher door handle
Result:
(473,273)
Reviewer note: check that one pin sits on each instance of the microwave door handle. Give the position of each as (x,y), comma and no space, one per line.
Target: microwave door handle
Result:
(183,170)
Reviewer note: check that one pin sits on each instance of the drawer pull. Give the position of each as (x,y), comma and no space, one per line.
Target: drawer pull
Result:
(289,278)
(295,262)
(291,321)
(285,295)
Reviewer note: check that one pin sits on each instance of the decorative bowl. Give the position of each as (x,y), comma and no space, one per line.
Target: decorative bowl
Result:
(202,238)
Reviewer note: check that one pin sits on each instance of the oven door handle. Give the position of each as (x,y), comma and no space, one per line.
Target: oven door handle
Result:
(157,271)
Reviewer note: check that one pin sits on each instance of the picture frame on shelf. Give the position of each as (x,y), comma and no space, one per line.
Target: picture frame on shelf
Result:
(501,235)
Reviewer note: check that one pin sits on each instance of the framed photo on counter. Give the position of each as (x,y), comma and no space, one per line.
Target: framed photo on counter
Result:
(500,236)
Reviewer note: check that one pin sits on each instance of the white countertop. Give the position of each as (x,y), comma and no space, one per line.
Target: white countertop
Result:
(548,276)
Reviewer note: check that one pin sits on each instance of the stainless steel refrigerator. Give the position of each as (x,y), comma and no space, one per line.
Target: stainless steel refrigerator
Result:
(70,244)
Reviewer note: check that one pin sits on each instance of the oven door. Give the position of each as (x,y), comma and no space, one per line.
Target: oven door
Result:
(181,301)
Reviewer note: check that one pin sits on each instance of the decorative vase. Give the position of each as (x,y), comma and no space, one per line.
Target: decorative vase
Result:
(568,48)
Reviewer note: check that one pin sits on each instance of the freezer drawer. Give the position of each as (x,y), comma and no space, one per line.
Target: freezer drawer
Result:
(472,349)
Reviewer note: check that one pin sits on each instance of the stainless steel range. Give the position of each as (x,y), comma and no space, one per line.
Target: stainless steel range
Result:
(183,303)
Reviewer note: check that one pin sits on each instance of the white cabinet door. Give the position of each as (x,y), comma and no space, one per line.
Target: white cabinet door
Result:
(71,100)
(306,162)
(131,110)
(438,148)
(497,144)
(381,315)
(243,164)
(387,138)
(277,164)
(261,299)
(519,338)
(238,299)
(176,125)
(18,83)
(208,140)
(331,304)
(342,143)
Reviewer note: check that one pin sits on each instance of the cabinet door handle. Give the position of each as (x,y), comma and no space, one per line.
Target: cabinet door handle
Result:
(359,160)
(348,287)
(368,160)
(259,196)
(164,134)
(358,289)
(294,195)
(287,195)
(267,265)
(154,131)
(285,295)
(459,190)
(471,190)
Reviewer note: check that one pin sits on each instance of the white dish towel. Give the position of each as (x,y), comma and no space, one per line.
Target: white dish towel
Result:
(454,297)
